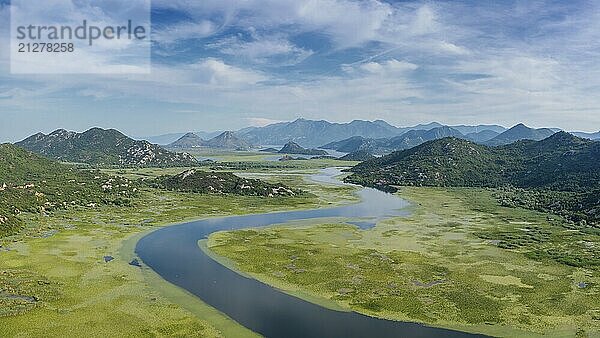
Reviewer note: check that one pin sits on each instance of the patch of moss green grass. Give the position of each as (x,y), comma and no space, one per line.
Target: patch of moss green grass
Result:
(446,265)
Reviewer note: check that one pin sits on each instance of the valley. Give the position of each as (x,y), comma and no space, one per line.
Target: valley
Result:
(481,248)
(300,169)
(56,278)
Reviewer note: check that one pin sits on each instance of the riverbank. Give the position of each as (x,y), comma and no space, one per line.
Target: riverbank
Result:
(430,267)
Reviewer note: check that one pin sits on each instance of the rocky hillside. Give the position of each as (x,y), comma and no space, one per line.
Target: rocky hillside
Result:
(197,181)
(102,147)
(32,183)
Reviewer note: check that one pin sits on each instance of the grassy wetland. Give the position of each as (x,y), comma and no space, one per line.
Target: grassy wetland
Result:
(459,261)
(68,274)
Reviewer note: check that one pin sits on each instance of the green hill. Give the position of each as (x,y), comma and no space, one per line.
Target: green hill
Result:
(103,147)
(295,149)
(361,155)
(564,167)
(32,183)
(197,181)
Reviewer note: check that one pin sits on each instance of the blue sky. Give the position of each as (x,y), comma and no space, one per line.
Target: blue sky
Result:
(224,64)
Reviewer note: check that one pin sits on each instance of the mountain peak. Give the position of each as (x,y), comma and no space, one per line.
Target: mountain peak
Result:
(520,132)
(520,126)
(62,133)
(228,140)
(189,140)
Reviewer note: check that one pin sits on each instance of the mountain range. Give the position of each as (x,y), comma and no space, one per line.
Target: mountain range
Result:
(414,138)
(103,147)
(520,132)
(591,136)
(312,134)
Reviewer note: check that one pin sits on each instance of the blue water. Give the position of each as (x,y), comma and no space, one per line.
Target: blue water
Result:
(174,254)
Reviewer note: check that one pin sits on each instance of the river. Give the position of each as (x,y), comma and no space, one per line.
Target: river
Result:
(174,254)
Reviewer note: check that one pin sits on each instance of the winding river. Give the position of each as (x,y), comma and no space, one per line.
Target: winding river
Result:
(173,253)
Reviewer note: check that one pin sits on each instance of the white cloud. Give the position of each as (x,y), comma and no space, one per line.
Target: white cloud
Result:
(263,49)
(451,48)
(183,31)
(347,23)
(428,61)
(216,72)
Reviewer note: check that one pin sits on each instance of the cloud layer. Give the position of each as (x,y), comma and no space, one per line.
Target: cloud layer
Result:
(228,63)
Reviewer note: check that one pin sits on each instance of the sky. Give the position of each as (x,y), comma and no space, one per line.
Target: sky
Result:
(226,64)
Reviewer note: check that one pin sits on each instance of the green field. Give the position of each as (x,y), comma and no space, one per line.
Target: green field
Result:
(449,264)
(459,261)
(55,281)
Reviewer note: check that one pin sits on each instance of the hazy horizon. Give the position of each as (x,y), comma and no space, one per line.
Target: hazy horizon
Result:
(141,136)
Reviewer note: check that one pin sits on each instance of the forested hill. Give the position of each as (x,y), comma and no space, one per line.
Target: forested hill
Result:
(103,147)
(564,167)
(560,162)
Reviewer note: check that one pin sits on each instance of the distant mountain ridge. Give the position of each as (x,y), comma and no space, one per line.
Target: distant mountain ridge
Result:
(166,139)
(309,133)
(312,134)
(482,136)
(590,136)
(414,138)
(102,147)
(382,146)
